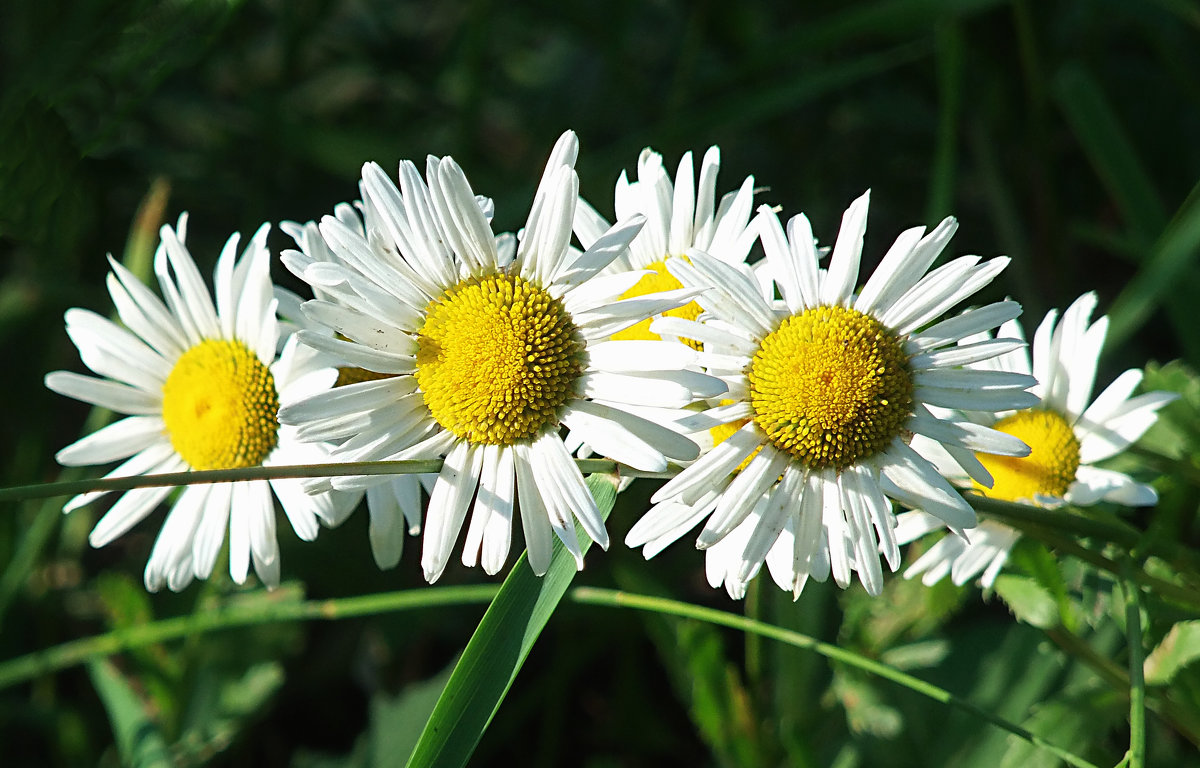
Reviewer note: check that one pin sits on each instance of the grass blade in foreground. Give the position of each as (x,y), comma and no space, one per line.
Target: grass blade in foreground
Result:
(496,651)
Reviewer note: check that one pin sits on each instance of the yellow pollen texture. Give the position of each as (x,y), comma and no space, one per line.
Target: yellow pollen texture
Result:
(661,280)
(831,387)
(220,406)
(723,432)
(497,358)
(1050,467)
(349,375)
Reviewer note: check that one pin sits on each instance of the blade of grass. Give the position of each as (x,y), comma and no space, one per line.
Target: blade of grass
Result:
(1170,259)
(498,649)
(1137,680)
(138,740)
(260,608)
(948,47)
(1110,151)
(616,599)
(70,488)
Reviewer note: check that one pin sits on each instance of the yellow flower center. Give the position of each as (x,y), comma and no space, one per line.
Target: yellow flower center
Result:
(349,375)
(1048,470)
(831,387)
(497,358)
(220,406)
(723,432)
(661,280)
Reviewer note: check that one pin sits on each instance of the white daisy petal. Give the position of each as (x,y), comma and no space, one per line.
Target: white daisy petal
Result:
(448,506)
(796,276)
(1093,484)
(597,292)
(628,438)
(556,503)
(705,269)
(764,533)
(1123,426)
(637,355)
(863,541)
(544,241)
(897,271)
(535,520)
(971,322)
(359,266)
(384,527)
(195,304)
(842,276)
(497,535)
(762,472)
(113,352)
(965,354)
(990,542)
(708,334)
(710,468)
(610,247)
(361,328)
(467,231)
(588,224)
(144,313)
(486,502)
(969,435)
(667,521)
(114,442)
(651,390)
(170,561)
(562,468)
(1066,435)
(933,298)
(411,227)
(357,355)
(982,400)
(912,481)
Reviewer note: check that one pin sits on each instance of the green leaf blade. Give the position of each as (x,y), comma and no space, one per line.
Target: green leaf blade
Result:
(498,649)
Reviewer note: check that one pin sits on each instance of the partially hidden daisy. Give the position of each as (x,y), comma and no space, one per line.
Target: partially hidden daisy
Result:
(680,216)
(394,505)
(202,385)
(490,354)
(826,389)
(1068,431)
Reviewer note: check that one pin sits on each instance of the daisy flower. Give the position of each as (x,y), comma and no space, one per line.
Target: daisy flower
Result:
(680,217)
(491,352)
(394,503)
(202,385)
(826,389)
(1067,434)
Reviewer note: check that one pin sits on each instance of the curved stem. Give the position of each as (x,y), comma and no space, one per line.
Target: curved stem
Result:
(617,599)
(339,469)
(1174,593)
(235,614)
(1137,681)
(1115,531)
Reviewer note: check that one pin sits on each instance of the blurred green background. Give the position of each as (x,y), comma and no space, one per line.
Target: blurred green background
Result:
(1064,134)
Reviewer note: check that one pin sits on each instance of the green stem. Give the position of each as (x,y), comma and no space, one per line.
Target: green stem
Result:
(1137,681)
(1112,673)
(754,646)
(341,469)
(1115,531)
(233,615)
(1170,465)
(1173,592)
(617,599)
